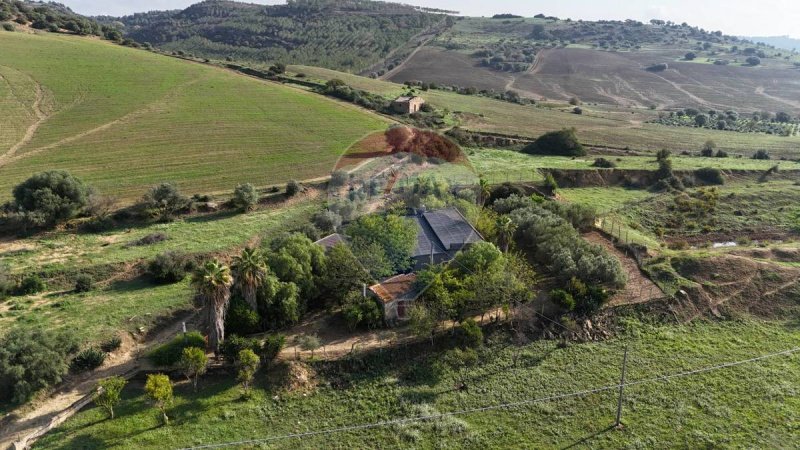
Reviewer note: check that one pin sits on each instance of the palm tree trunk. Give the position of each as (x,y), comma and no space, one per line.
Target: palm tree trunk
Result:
(249,293)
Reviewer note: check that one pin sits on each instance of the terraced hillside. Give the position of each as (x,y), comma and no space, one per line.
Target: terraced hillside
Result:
(556,60)
(125,119)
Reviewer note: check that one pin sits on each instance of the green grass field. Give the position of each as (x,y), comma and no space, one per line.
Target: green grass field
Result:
(126,305)
(742,406)
(125,119)
(601,127)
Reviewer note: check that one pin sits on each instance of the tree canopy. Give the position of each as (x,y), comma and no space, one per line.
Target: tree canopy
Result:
(563,143)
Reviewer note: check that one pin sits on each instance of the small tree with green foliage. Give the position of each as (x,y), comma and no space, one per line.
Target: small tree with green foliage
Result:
(396,235)
(50,197)
(761,154)
(247,363)
(159,390)
(164,201)
(293,188)
(245,197)
(309,343)
(708,149)
(422,322)
(193,364)
(107,394)
(564,143)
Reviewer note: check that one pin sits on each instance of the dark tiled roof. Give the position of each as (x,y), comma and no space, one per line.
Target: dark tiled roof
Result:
(400,287)
(330,241)
(451,228)
(426,238)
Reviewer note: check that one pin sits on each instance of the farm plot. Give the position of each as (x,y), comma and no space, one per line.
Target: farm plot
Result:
(124,119)
(604,127)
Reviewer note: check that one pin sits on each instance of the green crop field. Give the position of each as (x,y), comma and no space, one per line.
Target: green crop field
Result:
(732,407)
(603,126)
(124,119)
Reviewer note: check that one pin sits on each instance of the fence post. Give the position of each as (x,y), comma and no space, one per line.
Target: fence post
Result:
(618,423)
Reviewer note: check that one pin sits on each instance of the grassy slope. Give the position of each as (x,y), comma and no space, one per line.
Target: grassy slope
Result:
(166,119)
(594,127)
(127,305)
(735,407)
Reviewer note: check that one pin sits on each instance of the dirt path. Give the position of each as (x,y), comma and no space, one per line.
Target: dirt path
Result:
(760,91)
(31,131)
(402,65)
(125,362)
(639,288)
(132,115)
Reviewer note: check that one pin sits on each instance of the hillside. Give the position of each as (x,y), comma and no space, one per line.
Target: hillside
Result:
(125,119)
(607,63)
(348,35)
(781,42)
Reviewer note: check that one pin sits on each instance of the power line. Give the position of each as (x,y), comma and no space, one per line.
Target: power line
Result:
(400,421)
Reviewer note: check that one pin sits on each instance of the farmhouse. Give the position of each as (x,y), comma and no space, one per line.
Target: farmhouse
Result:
(396,295)
(330,241)
(407,105)
(442,233)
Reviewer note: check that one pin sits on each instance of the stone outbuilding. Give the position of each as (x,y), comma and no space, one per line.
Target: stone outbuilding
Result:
(407,104)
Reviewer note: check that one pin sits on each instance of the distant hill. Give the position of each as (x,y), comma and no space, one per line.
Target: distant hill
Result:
(51,16)
(605,62)
(346,35)
(784,42)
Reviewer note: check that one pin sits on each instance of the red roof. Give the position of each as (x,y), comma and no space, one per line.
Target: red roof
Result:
(400,287)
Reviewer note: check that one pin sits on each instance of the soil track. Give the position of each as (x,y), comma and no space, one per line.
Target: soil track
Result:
(639,288)
(41,117)
(124,362)
(11,157)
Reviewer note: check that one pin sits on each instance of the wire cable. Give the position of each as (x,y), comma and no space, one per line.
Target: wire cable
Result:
(400,421)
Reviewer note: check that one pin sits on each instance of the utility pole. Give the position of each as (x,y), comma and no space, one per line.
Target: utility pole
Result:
(618,423)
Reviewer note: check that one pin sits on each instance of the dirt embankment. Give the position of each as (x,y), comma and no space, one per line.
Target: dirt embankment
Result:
(728,285)
(637,178)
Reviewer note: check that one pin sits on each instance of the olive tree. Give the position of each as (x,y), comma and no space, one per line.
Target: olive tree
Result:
(108,393)
(50,197)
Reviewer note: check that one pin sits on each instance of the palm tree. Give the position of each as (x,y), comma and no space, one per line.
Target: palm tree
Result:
(250,270)
(505,232)
(485,191)
(213,283)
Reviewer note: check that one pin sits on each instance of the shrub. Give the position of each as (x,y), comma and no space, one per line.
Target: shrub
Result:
(241,319)
(690,56)
(339,178)
(721,154)
(292,188)
(504,191)
(272,346)
(31,285)
(111,344)
(327,221)
(469,334)
(603,163)
(577,110)
(150,239)
(169,267)
(658,67)
(169,354)
(245,197)
(50,197)
(753,61)
(164,201)
(563,299)
(363,313)
(84,283)
(710,175)
(88,359)
(564,143)
(31,360)
(8,27)
(234,344)
(761,154)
